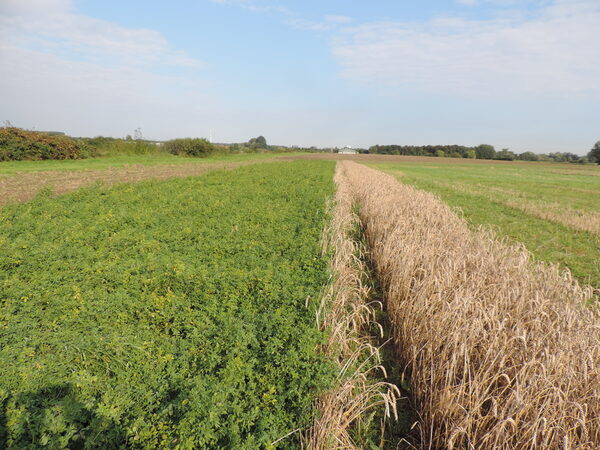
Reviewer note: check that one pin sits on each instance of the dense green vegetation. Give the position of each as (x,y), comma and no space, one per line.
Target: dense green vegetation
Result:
(17,144)
(164,314)
(190,147)
(594,154)
(515,200)
(484,151)
(102,147)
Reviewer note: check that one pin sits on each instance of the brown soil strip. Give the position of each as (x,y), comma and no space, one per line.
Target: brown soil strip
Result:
(23,187)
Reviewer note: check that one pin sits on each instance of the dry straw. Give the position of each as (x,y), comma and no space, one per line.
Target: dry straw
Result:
(348,316)
(502,351)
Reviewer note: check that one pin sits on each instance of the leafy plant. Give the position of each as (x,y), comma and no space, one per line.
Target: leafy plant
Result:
(190,147)
(164,314)
(18,144)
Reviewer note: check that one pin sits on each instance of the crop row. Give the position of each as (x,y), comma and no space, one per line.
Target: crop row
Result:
(164,314)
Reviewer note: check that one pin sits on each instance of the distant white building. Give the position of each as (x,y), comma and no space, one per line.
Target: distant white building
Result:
(348,151)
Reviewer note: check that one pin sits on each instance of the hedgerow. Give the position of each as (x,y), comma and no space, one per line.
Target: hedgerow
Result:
(18,144)
(190,147)
(164,314)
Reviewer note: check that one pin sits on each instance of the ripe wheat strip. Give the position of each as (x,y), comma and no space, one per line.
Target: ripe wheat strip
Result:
(502,352)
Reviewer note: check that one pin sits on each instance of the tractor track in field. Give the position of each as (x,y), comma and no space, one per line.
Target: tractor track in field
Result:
(23,187)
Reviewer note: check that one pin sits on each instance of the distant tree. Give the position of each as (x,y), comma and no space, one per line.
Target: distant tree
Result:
(258,142)
(564,157)
(505,155)
(528,156)
(472,154)
(485,151)
(440,153)
(594,154)
(572,157)
(190,147)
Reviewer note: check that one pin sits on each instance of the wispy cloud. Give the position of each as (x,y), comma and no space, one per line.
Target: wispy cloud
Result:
(328,23)
(338,19)
(258,6)
(65,70)
(53,26)
(291,17)
(553,52)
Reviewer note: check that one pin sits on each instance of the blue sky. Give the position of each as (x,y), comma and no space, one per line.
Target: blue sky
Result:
(518,74)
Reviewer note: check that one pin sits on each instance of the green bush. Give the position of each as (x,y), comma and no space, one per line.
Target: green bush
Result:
(105,146)
(164,314)
(190,147)
(18,144)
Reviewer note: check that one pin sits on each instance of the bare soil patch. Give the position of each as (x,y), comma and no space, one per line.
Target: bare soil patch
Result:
(23,187)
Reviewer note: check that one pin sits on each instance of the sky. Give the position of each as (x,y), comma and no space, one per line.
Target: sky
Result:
(523,75)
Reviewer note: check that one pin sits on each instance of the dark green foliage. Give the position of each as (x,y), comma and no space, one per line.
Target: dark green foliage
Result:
(258,142)
(564,157)
(594,154)
(505,155)
(18,144)
(164,313)
(485,151)
(101,146)
(454,151)
(190,147)
(528,156)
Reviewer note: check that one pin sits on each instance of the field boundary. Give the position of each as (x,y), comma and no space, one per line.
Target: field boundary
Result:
(348,315)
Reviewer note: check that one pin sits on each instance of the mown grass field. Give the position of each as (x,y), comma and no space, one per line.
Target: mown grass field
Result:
(165,314)
(553,209)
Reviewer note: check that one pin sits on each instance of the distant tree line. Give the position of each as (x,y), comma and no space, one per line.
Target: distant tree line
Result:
(16,143)
(484,151)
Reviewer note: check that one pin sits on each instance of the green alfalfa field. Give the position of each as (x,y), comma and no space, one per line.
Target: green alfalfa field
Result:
(164,314)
